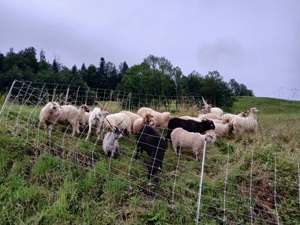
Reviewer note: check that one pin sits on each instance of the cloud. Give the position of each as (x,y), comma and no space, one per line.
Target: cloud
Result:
(223,53)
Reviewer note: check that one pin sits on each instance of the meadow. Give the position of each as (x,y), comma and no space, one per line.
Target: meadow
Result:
(254,179)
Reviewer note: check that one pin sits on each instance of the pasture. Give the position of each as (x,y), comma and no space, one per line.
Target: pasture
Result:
(254,179)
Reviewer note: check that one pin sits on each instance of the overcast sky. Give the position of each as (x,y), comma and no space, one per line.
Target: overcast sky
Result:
(256,42)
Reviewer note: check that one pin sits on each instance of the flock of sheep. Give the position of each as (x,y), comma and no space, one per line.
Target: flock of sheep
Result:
(182,132)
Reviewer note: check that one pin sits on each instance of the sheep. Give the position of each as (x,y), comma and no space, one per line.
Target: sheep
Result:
(132,116)
(48,115)
(243,125)
(191,140)
(147,120)
(97,116)
(227,117)
(110,141)
(190,118)
(121,120)
(222,130)
(84,120)
(209,116)
(209,109)
(65,114)
(161,119)
(189,125)
(154,144)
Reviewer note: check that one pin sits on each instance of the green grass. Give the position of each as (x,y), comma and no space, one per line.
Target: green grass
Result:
(67,180)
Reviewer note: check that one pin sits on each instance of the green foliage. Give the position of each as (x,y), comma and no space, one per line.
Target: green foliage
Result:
(155,79)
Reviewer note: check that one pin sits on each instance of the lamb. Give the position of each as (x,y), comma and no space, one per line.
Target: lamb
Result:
(189,125)
(161,119)
(191,140)
(222,130)
(66,114)
(227,117)
(243,125)
(121,120)
(209,109)
(110,141)
(154,144)
(140,122)
(96,117)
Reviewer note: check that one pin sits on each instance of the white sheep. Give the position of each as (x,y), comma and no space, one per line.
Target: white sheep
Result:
(209,109)
(140,122)
(48,115)
(209,116)
(191,140)
(222,130)
(189,118)
(53,114)
(96,118)
(243,125)
(120,120)
(227,117)
(161,119)
(132,116)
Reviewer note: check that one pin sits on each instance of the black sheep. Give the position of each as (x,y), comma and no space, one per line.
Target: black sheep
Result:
(154,144)
(189,125)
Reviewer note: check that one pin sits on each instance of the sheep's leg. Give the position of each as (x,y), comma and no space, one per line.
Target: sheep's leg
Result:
(89,131)
(197,159)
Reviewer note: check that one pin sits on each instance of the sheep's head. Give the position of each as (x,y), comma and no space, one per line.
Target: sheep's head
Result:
(117,132)
(242,114)
(54,106)
(149,120)
(84,108)
(211,136)
(166,114)
(102,115)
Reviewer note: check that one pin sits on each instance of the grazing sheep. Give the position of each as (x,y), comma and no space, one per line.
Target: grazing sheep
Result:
(191,140)
(64,115)
(132,116)
(189,125)
(222,130)
(190,118)
(243,125)
(110,141)
(121,120)
(161,119)
(209,109)
(227,117)
(96,118)
(140,122)
(154,144)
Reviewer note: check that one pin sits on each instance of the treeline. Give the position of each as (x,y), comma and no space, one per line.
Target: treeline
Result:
(155,76)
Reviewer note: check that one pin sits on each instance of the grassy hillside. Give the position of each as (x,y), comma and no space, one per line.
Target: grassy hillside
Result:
(249,180)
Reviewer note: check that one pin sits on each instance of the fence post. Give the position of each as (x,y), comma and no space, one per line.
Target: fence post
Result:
(200,184)
(7,96)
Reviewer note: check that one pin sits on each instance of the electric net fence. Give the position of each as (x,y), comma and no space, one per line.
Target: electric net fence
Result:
(262,194)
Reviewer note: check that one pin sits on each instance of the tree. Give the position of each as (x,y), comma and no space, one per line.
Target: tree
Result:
(217,91)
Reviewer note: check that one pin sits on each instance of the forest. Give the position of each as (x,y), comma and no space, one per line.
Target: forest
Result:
(154,76)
